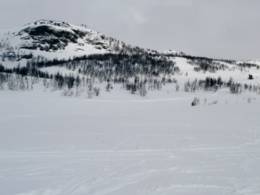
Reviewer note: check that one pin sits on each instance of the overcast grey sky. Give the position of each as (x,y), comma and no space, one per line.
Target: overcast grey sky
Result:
(217,28)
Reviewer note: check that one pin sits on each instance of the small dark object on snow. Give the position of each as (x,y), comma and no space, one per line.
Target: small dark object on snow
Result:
(250,77)
(195,101)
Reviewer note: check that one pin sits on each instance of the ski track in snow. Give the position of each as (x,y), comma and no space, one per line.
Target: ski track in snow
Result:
(52,145)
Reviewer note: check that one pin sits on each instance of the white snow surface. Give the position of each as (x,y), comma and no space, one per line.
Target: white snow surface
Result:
(116,144)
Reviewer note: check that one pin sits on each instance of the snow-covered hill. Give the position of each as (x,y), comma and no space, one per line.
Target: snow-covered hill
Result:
(54,47)
(55,40)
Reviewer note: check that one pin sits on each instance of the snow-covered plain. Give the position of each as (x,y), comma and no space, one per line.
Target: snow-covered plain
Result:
(54,145)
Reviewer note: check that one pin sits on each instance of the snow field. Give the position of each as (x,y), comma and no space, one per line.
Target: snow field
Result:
(54,145)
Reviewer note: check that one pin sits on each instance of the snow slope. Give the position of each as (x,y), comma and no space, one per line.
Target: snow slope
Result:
(52,145)
(234,71)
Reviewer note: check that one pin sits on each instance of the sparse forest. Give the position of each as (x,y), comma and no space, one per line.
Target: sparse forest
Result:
(137,73)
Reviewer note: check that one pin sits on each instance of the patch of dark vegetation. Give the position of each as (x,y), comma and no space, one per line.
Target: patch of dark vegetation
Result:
(212,84)
(248,65)
(47,38)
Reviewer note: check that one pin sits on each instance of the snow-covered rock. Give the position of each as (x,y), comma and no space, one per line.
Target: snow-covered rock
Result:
(56,40)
